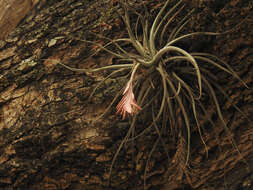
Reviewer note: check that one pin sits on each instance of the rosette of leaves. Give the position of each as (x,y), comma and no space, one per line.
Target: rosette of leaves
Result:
(166,81)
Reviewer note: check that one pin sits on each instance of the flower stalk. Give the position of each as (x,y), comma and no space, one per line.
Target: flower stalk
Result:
(128,103)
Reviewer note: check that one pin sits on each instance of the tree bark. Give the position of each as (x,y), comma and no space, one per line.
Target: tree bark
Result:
(49,136)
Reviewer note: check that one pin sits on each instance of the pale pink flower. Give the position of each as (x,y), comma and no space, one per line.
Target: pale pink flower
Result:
(127,104)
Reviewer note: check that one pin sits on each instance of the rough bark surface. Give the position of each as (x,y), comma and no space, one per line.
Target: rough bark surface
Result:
(48,136)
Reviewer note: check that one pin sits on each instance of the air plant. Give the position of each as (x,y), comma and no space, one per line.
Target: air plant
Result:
(169,79)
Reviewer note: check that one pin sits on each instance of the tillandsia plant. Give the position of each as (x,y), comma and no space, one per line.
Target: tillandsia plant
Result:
(164,78)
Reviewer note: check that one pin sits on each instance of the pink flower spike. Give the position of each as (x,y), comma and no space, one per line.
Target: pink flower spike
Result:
(127,104)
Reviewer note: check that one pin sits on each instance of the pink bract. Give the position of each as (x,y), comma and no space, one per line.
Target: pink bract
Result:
(127,104)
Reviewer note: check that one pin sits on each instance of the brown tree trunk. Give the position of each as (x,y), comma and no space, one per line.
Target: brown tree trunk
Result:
(49,138)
